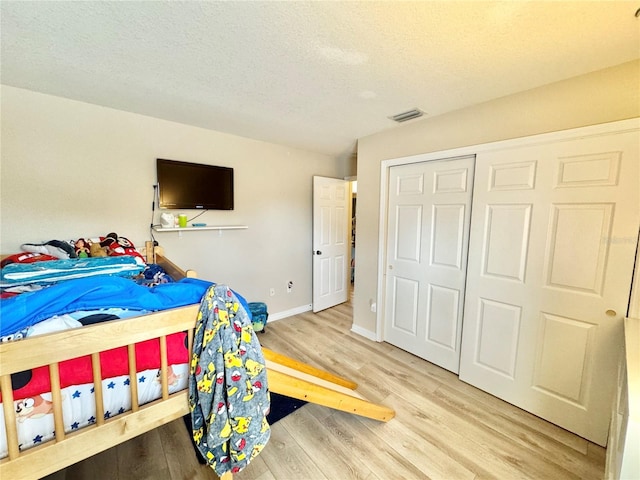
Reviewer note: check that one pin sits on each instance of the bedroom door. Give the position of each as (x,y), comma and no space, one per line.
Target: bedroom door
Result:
(426,260)
(331,234)
(553,239)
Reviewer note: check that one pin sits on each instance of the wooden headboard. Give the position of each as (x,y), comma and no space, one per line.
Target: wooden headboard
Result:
(155,254)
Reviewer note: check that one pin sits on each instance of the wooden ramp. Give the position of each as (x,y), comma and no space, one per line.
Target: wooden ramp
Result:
(289,377)
(295,379)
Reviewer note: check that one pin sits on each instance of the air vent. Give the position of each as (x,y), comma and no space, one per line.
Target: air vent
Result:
(408,115)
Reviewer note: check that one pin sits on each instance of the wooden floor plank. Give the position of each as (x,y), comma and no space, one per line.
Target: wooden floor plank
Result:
(526,435)
(371,450)
(142,458)
(102,466)
(178,450)
(285,459)
(335,458)
(437,432)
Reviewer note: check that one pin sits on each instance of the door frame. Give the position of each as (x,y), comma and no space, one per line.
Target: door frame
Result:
(634,299)
(593,130)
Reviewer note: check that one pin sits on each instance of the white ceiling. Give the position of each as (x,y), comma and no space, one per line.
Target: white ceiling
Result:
(312,75)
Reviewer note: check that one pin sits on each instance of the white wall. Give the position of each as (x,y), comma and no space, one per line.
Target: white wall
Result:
(71,169)
(599,97)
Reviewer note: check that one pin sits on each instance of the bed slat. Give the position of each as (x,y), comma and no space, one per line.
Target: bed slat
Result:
(133,377)
(163,367)
(56,398)
(9,416)
(97,388)
(190,342)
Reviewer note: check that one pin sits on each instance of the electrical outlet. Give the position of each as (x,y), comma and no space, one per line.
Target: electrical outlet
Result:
(289,286)
(272,292)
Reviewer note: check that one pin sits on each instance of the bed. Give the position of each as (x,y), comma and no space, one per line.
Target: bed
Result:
(165,331)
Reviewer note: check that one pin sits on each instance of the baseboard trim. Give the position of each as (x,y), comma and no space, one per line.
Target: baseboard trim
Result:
(368,334)
(273,317)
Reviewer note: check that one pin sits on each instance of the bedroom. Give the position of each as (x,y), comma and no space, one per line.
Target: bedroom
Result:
(101,184)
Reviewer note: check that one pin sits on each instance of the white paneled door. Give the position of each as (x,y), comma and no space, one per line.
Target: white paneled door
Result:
(427,243)
(331,235)
(553,239)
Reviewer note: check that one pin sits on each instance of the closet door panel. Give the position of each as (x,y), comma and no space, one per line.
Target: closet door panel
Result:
(427,239)
(552,246)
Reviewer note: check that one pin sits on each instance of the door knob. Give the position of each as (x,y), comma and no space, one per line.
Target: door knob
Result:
(611,313)
(318,252)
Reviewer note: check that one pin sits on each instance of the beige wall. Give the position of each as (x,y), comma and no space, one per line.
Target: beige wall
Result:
(71,169)
(599,97)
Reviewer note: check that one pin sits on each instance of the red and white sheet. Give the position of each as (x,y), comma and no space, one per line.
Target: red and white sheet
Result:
(32,400)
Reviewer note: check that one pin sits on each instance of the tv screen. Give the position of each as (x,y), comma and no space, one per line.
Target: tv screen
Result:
(194,185)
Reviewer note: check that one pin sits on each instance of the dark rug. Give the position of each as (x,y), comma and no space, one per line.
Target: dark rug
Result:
(281,406)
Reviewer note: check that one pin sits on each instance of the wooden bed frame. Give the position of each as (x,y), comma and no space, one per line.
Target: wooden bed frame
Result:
(285,375)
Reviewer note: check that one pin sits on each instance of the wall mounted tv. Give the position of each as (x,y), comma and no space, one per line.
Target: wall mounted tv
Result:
(194,186)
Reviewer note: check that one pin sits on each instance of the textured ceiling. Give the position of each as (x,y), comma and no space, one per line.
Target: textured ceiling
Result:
(312,75)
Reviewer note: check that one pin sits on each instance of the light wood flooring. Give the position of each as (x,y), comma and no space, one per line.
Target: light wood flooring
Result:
(443,428)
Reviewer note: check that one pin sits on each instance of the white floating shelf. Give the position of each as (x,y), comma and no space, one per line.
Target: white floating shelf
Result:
(208,227)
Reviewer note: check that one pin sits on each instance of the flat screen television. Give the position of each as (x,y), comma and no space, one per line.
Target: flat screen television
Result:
(184,185)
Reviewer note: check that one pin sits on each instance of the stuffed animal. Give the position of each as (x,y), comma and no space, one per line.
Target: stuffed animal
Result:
(55,248)
(111,239)
(95,250)
(117,246)
(81,248)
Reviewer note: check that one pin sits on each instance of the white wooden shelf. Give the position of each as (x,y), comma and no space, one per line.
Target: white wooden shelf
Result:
(208,227)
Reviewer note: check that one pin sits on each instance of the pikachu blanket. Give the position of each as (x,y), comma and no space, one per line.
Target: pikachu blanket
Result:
(228,392)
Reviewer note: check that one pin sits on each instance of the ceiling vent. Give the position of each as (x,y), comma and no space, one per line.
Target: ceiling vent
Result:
(408,115)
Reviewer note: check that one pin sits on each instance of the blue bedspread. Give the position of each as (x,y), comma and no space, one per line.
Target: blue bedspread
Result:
(94,293)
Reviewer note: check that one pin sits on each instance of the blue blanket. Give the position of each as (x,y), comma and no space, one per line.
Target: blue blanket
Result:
(53,271)
(94,293)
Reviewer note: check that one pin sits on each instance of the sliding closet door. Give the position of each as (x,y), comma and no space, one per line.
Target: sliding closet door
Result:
(553,239)
(428,234)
